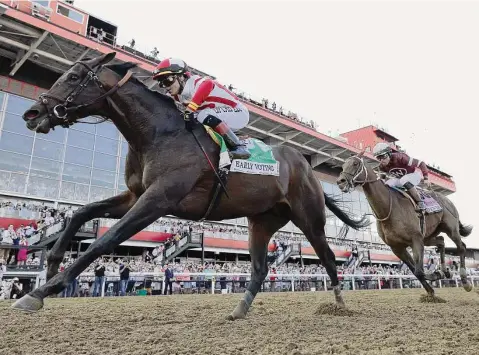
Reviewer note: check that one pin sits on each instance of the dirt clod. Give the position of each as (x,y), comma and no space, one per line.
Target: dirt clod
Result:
(332,309)
(431,299)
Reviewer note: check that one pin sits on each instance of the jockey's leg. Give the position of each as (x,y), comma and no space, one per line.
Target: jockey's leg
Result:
(409,182)
(221,126)
(393,182)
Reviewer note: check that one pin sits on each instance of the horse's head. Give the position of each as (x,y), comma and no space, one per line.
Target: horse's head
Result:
(354,172)
(78,93)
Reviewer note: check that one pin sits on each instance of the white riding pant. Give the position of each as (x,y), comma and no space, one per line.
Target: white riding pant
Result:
(236,118)
(414,178)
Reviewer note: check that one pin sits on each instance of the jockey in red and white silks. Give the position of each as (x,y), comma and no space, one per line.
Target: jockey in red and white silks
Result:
(407,172)
(208,97)
(207,101)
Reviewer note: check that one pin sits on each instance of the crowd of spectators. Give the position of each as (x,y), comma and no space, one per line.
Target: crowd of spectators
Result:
(14,239)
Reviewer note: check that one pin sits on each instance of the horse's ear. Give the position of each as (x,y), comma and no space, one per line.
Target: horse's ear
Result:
(360,155)
(103,59)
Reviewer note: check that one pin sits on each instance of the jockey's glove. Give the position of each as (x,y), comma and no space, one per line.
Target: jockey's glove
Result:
(190,120)
(189,116)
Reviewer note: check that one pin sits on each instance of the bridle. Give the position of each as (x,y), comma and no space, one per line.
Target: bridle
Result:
(353,182)
(63,111)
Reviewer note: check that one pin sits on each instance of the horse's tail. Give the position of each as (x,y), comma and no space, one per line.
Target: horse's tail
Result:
(464,231)
(332,204)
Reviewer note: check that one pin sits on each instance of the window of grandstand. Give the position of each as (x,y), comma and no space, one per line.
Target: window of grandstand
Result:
(79,164)
(18,105)
(72,14)
(41,2)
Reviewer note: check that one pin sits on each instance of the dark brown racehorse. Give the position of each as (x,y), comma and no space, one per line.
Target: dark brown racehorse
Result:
(399,226)
(167,174)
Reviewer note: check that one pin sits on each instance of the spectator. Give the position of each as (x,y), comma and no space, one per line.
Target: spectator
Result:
(68,215)
(124,277)
(3,268)
(6,241)
(16,241)
(168,279)
(22,252)
(99,278)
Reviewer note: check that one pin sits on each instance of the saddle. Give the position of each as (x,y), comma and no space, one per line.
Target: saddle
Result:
(432,206)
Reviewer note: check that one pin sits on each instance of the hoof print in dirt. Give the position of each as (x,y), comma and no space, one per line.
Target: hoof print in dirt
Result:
(431,299)
(333,309)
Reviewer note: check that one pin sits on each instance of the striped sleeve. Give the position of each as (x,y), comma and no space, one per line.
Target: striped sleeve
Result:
(419,164)
(201,93)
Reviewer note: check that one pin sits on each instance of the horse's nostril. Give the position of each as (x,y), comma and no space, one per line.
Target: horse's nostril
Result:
(31,114)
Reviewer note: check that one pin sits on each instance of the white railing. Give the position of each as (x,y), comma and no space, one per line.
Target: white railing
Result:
(349,282)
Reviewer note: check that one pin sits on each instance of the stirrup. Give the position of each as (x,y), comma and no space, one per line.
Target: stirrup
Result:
(421,207)
(239,152)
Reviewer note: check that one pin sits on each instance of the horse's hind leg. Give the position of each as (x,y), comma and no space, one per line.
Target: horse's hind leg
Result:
(261,229)
(113,207)
(461,250)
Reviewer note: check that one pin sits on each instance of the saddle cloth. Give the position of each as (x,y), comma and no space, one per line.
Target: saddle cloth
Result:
(261,162)
(432,206)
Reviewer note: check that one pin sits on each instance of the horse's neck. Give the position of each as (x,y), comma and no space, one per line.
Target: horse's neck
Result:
(378,195)
(144,116)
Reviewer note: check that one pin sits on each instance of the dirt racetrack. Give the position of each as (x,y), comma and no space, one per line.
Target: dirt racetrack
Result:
(380,322)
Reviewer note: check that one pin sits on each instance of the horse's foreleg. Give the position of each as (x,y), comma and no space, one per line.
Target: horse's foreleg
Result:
(261,228)
(113,207)
(149,207)
(401,253)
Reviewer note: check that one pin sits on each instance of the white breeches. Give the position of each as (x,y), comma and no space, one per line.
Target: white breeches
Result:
(236,118)
(414,178)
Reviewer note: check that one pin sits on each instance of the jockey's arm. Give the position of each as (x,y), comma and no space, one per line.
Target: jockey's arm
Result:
(418,164)
(425,171)
(202,91)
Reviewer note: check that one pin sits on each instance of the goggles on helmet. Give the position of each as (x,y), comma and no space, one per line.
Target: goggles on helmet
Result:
(166,81)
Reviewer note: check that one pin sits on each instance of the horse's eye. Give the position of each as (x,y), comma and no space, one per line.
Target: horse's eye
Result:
(74,77)
(355,163)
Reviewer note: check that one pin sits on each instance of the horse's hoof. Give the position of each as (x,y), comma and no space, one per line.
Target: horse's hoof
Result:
(239,312)
(28,304)
(468,287)
(234,316)
(340,302)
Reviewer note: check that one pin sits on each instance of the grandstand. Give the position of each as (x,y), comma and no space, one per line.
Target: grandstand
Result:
(49,176)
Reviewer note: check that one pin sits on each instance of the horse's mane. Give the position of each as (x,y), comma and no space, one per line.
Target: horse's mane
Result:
(122,69)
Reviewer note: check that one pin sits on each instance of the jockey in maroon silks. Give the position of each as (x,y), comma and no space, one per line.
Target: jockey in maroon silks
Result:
(205,100)
(407,172)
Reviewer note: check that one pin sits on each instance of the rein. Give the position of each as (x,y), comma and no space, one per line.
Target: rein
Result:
(62,111)
(354,182)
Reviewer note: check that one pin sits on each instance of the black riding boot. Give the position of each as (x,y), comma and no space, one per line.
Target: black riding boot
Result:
(238,150)
(411,189)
